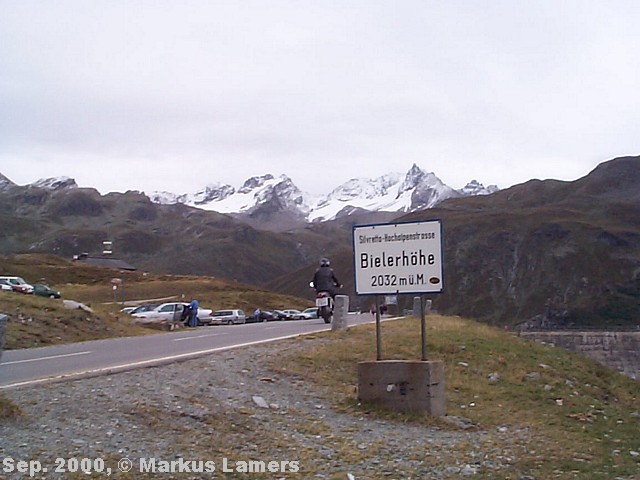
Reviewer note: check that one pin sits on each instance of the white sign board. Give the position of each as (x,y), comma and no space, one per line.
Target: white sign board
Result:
(398,258)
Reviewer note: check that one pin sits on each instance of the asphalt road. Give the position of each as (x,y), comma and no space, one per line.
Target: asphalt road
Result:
(38,365)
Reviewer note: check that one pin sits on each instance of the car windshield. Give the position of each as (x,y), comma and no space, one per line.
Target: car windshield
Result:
(144,308)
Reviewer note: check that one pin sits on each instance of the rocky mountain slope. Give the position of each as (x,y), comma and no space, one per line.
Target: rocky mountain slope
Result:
(157,238)
(550,252)
(547,252)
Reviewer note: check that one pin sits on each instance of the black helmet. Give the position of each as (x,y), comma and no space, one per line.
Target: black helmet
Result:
(324,262)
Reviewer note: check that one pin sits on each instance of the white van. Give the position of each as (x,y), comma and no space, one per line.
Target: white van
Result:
(17,284)
(228,317)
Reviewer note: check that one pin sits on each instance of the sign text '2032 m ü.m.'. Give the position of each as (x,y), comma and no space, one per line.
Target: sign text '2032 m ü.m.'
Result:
(398,258)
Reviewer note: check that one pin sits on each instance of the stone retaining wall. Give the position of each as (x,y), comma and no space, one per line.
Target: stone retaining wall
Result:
(620,350)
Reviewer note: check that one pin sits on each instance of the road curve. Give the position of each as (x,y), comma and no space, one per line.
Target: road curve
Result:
(26,367)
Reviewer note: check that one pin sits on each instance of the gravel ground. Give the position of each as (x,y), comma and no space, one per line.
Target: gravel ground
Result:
(229,409)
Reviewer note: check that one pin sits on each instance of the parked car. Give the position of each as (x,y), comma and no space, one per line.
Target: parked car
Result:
(5,286)
(271,316)
(265,316)
(253,318)
(293,314)
(280,315)
(145,307)
(311,311)
(45,291)
(18,284)
(171,311)
(228,317)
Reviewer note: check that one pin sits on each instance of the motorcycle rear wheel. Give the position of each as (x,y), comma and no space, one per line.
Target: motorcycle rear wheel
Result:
(326,314)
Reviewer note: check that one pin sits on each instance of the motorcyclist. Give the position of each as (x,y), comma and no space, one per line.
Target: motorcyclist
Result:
(325,280)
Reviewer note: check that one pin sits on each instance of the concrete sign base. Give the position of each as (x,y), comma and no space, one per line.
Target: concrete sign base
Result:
(403,386)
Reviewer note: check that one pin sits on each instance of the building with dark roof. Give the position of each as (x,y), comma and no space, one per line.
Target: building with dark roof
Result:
(108,262)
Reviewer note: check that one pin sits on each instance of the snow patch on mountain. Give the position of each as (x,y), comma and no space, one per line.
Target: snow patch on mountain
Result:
(164,198)
(368,194)
(55,183)
(278,192)
(393,192)
(266,194)
(5,182)
(476,188)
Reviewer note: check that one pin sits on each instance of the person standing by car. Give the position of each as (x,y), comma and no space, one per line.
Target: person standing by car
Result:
(185,316)
(193,313)
(325,280)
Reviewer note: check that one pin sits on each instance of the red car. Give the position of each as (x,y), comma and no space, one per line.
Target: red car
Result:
(17,284)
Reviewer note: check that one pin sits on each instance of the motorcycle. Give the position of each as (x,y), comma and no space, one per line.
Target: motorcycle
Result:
(324,302)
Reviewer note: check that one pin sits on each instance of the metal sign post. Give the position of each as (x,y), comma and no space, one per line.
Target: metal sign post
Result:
(115,282)
(423,329)
(378,331)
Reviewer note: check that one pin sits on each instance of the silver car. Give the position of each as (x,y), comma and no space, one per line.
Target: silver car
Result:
(171,311)
(227,317)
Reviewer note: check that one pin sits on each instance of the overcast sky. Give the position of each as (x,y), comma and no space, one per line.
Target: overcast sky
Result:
(174,95)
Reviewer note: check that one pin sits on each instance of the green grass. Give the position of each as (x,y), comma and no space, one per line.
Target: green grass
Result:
(36,321)
(8,410)
(583,417)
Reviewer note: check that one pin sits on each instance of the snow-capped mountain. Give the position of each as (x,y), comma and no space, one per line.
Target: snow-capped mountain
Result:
(5,182)
(267,191)
(392,192)
(476,188)
(276,199)
(52,183)
(55,183)
(267,194)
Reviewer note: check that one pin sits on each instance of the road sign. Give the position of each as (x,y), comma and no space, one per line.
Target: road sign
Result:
(393,258)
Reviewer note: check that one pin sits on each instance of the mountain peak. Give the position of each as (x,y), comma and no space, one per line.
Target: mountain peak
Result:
(476,188)
(5,182)
(255,182)
(214,192)
(55,183)
(413,178)
(266,195)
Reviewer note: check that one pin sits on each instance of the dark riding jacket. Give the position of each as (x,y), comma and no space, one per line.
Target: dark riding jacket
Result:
(324,280)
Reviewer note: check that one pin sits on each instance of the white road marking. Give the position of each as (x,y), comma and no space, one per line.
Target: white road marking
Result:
(198,336)
(46,358)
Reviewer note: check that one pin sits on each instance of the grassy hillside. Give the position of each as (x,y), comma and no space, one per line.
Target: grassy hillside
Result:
(37,321)
(581,419)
